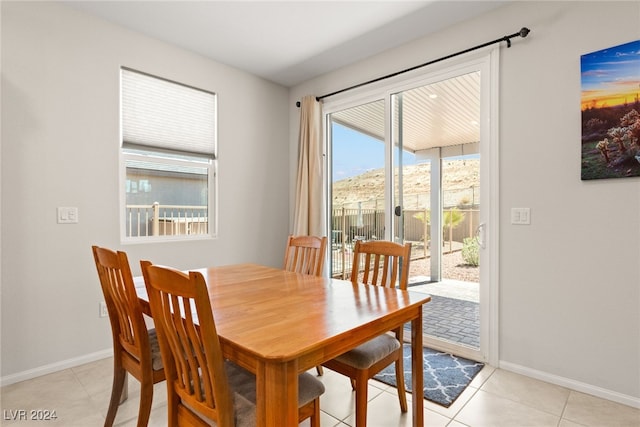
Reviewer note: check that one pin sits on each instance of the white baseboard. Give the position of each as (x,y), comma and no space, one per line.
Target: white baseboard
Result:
(507,366)
(572,384)
(55,367)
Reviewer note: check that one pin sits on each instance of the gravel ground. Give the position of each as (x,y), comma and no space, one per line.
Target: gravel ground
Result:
(453,267)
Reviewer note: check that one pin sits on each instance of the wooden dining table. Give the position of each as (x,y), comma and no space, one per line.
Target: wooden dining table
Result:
(278,324)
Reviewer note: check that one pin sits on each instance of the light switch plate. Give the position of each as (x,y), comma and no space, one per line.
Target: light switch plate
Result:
(67,215)
(521,216)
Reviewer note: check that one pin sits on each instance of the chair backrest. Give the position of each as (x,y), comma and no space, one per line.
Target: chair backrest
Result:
(189,344)
(305,254)
(382,263)
(127,323)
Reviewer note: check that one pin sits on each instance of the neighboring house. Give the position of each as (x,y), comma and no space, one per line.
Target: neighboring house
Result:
(173,191)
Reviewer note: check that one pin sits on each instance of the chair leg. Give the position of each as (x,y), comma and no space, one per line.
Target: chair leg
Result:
(315,418)
(361,399)
(320,370)
(402,393)
(125,389)
(119,376)
(146,398)
(173,401)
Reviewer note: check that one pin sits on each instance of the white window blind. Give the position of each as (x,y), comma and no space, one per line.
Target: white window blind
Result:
(157,113)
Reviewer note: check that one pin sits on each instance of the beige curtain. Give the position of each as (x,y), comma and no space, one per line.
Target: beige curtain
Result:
(309,212)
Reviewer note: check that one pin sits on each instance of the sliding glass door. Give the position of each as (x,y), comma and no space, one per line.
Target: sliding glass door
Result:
(406,166)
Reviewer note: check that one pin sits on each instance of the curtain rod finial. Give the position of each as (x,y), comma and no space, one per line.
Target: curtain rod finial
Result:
(298,104)
(524,32)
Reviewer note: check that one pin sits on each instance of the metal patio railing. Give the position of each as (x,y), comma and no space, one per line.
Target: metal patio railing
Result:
(349,225)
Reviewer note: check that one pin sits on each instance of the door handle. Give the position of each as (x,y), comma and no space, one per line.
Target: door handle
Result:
(480,235)
(398,210)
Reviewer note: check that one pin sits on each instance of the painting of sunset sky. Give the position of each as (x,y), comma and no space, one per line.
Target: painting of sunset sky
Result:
(610,104)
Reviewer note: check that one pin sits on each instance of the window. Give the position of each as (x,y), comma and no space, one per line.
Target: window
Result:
(168,158)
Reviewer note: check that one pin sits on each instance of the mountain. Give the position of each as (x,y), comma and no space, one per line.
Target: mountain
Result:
(460,183)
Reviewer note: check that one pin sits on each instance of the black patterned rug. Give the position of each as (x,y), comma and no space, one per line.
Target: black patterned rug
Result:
(445,376)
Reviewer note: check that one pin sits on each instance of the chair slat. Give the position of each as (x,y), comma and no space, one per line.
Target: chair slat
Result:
(305,254)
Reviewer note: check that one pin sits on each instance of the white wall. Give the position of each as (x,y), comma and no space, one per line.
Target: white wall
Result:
(569,282)
(60,119)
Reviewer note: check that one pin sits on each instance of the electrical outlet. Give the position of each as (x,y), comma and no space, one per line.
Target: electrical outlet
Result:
(103,309)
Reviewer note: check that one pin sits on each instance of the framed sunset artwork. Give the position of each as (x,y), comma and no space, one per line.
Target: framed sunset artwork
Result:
(610,104)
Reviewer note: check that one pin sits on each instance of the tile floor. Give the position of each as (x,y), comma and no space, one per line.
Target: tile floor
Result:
(495,398)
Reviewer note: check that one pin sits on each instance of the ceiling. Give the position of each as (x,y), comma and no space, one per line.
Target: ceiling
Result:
(287,42)
(441,114)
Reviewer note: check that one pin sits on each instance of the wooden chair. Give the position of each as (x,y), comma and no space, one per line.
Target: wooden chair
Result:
(385,264)
(135,349)
(305,254)
(202,386)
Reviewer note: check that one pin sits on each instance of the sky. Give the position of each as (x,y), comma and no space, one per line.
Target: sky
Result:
(611,76)
(355,153)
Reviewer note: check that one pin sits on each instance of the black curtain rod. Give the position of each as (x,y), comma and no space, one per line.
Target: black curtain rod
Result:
(524,32)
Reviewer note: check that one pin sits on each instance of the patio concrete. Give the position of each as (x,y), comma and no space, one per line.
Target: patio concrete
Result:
(453,313)
(467,291)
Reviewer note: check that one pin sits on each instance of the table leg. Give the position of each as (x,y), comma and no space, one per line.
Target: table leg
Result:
(277,394)
(417,369)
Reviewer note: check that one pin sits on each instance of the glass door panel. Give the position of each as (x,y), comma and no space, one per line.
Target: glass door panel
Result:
(436,137)
(358,171)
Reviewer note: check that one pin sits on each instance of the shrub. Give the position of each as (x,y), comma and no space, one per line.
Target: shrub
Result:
(471,251)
